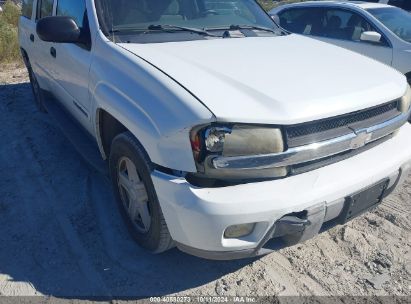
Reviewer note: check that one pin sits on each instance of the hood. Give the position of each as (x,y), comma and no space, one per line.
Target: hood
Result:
(274,80)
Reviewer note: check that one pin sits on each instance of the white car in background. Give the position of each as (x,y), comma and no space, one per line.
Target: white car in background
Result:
(380,31)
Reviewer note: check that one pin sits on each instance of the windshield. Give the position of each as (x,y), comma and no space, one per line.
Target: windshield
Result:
(118,15)
(396,19)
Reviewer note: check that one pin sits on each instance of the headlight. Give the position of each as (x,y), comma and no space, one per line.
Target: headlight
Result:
(406,101)
(235,140)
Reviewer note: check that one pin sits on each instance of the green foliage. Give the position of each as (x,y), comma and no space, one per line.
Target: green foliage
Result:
(270,4)
(9,46)
(11,13)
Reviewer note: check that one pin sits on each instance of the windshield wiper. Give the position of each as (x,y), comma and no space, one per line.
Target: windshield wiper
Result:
(235,27)
(164,28)
(168,27)
(252,27)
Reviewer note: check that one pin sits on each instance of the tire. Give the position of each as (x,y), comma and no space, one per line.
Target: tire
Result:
(35,87)
(125,155)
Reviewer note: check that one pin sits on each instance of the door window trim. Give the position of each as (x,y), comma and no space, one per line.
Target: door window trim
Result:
(38,9)
(87,28)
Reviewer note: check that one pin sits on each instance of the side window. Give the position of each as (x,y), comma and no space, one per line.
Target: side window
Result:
(346,25)
(45,9)
(75,9)
(307,21)
(27,8)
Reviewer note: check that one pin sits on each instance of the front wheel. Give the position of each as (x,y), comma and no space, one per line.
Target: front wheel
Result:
(130,171)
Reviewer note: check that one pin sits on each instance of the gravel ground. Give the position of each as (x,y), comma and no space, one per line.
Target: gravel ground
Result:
(62,236)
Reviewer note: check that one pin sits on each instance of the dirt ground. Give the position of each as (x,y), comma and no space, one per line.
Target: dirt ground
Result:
(61,234)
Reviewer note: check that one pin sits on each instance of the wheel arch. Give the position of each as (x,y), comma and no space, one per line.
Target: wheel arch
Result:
(108,127)
(160,129)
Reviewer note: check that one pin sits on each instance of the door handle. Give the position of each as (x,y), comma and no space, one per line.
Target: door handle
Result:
(32,38)
(53,52)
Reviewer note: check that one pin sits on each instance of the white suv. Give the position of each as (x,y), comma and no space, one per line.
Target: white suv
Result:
(220,130)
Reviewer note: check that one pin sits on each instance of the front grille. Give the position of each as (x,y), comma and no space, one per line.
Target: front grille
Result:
(313,165)
(325,129)
(311,132)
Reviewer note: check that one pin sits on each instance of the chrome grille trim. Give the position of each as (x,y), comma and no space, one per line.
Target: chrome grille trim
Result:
(314,151)
(345,120)
(328,128)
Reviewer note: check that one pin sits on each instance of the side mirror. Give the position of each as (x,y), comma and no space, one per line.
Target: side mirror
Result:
(371,37)
(59,29)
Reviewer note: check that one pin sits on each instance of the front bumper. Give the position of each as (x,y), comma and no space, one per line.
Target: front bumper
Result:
(197,217)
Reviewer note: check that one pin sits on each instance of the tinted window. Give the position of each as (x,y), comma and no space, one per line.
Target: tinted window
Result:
(308,21)
(340,24)
(72,8)
(46,9)
(27,8)
(330,23)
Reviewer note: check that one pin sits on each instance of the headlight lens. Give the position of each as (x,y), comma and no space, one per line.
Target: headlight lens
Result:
(406,101)
(249,140)
(236,140)
(242,140)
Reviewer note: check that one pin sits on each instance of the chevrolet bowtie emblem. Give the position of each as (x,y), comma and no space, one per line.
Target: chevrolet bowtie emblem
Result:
(360,140)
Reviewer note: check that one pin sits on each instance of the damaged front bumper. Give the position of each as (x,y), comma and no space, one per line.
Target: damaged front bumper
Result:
(292,209)
(295,228)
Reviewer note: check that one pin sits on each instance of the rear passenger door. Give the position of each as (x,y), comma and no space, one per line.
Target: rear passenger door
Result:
(71,64)
(27,27)
(39,58)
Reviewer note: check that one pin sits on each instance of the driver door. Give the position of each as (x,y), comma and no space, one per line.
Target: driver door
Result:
(72,64)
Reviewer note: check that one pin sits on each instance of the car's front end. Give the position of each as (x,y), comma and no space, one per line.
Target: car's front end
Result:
(299,134)
(285,155)
(313,182)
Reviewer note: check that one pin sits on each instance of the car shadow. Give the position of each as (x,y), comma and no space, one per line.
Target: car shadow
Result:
(62,234)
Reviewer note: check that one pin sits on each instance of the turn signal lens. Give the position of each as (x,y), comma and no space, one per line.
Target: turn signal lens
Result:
(196,145)
(406,101)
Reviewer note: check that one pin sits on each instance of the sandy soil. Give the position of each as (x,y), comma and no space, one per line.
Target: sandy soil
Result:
(61,234)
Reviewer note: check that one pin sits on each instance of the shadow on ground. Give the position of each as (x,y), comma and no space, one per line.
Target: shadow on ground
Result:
(61,233)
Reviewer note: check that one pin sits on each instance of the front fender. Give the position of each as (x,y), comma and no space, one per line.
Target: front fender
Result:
(157,110)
